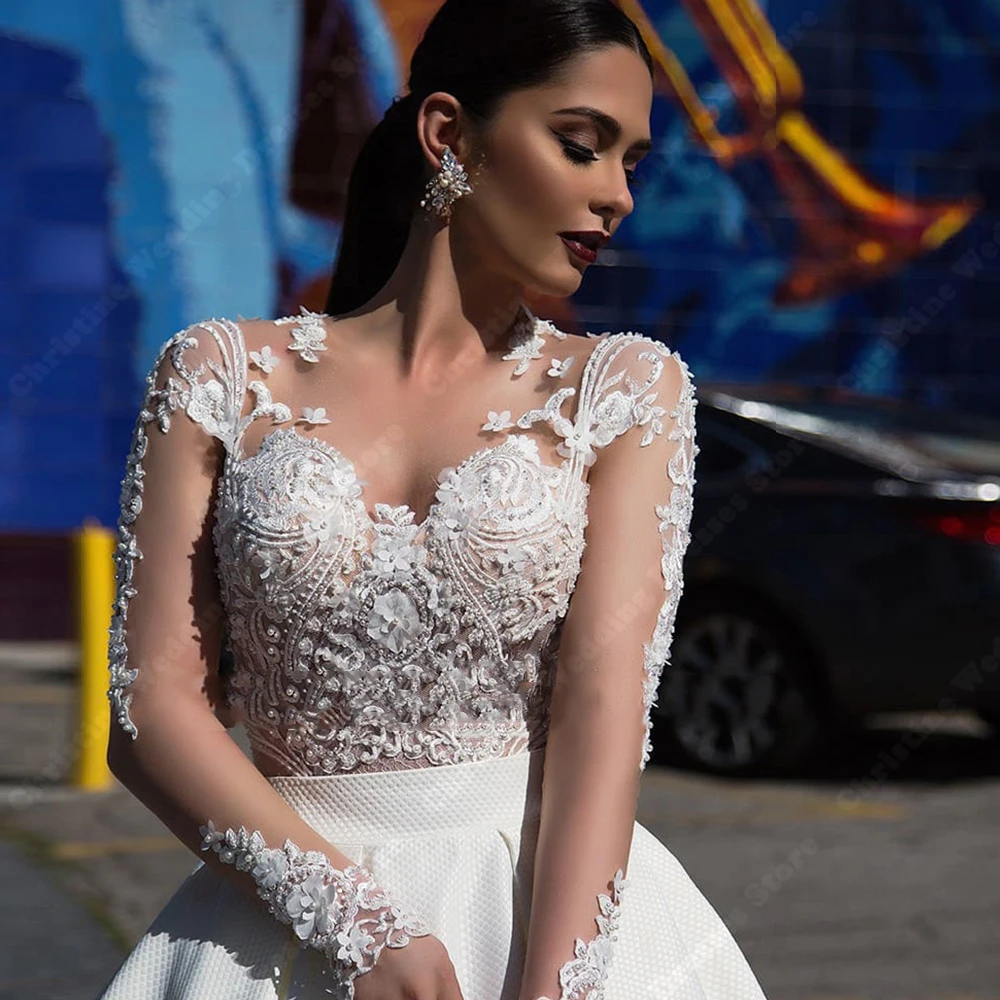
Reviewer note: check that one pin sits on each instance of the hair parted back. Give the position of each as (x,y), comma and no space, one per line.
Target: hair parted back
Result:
(479,51)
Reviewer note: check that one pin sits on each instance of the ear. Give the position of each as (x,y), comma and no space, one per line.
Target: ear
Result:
(441,122)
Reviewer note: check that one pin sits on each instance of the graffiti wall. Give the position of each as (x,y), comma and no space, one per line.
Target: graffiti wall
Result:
(820,207)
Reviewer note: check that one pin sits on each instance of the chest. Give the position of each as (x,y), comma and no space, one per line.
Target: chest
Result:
(499,549)
(396,446)
(296,488)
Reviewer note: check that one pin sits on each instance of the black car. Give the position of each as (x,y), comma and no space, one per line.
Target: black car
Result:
(844,561)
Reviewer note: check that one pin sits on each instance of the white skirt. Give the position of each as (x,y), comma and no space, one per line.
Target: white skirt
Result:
(454,843)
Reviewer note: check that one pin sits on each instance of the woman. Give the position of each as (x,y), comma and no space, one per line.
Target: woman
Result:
(446,748)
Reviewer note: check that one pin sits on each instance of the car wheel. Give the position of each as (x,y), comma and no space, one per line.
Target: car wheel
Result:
(738,697)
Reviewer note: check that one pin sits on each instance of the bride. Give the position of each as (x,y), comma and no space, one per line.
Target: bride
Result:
(444,539)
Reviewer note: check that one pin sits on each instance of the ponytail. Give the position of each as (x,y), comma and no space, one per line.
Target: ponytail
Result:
(382,194)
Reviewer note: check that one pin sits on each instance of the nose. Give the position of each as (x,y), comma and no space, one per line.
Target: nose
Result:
(614,198)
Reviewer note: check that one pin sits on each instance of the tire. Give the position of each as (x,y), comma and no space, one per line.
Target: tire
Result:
(741,694)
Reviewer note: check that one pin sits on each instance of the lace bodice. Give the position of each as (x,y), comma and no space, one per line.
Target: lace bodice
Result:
(366,639)
(531,605)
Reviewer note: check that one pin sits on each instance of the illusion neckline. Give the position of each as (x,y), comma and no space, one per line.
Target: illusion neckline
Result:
(523,330)
(523,345)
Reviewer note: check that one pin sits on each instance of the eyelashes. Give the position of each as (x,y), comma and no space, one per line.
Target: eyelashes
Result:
(576,153)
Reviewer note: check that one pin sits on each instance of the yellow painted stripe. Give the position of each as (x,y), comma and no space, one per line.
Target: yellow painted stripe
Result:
(831,165)
(947,225)
(739,793)
(791,85)
(761,75)
(78,850)
(860,810)
(700,117)
(792,813)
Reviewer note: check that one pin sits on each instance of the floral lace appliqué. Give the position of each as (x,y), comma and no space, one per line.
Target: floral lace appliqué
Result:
(363,638)
(215,403)
(343,913)
(309,336)
(585,975)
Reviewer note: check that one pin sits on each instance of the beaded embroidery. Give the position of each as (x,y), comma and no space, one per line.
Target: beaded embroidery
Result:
(375,641)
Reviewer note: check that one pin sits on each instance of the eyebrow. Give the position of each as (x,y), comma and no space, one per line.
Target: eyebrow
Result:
(605,121)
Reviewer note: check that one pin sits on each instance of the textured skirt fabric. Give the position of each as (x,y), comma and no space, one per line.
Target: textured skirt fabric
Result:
(454,844)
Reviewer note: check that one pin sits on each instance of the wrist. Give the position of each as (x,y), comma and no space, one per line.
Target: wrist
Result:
(345,913)
(584,976)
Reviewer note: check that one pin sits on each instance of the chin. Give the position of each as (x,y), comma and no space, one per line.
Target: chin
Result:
(559,282)
(571,284)
(551,275)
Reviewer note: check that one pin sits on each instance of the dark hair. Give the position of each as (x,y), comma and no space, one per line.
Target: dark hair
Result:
(479,51)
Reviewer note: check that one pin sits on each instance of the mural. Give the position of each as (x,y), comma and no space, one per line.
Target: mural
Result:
(820,207)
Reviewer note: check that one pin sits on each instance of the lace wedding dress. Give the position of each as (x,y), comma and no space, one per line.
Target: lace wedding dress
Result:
(448,710)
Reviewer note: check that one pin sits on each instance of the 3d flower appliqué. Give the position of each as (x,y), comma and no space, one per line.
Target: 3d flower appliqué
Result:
(309,337)
(527,345)
(308,905)
(514,558)
(450,508)
(345,913)
(558,368)
(265,359)
(497,421)
(394,620)
(313,415)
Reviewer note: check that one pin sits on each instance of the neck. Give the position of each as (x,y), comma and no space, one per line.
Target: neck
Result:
(442,305)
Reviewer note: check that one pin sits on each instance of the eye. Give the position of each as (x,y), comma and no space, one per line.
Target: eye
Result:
(583,154)
(577,153)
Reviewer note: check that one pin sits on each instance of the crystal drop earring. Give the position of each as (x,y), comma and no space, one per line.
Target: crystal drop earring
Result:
(446,186)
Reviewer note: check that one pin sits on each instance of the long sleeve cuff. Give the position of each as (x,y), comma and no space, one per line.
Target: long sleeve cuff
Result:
(343,913)
(586,973)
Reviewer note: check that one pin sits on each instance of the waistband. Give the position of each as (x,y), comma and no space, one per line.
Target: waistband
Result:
(502,792)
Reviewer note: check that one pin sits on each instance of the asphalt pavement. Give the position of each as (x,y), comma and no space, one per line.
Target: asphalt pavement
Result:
(878,879)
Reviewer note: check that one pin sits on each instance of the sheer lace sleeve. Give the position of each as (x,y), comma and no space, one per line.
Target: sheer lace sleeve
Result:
(167,744)
(637,414)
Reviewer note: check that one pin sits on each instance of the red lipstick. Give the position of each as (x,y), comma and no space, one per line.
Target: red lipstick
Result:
(585,244)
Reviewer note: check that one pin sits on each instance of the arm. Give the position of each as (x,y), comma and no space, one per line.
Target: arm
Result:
(615,641)
(168,747)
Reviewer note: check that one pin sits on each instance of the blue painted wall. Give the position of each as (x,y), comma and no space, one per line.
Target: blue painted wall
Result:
(145,162)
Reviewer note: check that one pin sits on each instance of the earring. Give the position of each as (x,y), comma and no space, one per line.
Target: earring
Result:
(446,186)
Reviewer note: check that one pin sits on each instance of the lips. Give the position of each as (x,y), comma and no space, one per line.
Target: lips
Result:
(593,238)
(585,244)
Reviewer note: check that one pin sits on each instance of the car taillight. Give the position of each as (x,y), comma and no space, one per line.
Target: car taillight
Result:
(974,525)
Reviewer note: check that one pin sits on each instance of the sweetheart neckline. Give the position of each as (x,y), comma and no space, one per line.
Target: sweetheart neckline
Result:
(334,452)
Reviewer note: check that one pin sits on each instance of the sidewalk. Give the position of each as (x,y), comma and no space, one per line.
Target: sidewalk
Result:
(83,873)
(52,947)
(844,886)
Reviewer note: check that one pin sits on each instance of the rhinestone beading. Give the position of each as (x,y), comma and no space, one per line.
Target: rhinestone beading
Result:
(448,185)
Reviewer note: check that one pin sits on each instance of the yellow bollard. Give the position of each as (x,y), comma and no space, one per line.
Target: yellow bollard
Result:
(94,584)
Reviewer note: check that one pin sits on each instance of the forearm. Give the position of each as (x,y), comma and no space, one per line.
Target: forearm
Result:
(186,768)
(586,824)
